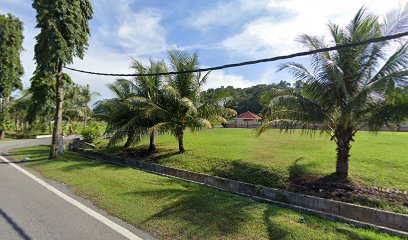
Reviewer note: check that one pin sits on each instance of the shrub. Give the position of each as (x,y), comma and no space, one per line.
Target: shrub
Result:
(91,133)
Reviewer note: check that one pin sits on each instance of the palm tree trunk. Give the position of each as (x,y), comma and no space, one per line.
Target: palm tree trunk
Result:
(152,145)
(181,141)
(2,134)
(43,123)
(130,140)
(57,133)
(343,154)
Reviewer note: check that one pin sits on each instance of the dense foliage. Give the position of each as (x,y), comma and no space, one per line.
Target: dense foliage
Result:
(91,133)
(156,104)
(125,114)
(63,36)
(254,99)
(77,111)
(11,70)
(351,88)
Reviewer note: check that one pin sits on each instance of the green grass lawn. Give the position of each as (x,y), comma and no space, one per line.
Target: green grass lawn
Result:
(376,159)
(172,209)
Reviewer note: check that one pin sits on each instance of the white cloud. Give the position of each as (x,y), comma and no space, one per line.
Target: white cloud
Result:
(226,13)
(220,78)
(138,29)
(136,32)
(265,36)
(99,58)
(139,33)
(265,28)
(27,56)
(121,34)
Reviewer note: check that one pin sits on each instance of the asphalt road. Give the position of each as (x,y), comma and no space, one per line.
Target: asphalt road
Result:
(6,146)
(30,210)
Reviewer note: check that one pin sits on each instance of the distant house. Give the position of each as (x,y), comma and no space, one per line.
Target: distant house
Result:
(247,117)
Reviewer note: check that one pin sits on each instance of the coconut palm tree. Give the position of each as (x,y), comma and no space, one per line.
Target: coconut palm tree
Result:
(76,105)
(347,90)
(86,96)
(179,104)
(125,114)
(116,111)
(148,87)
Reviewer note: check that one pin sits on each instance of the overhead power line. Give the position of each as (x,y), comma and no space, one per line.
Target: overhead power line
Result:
(272,59)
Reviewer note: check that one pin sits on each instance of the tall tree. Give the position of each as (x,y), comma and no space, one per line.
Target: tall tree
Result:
(11,70)
(180,104)
(125,113)
(63,36)
(349,89)
(149,87)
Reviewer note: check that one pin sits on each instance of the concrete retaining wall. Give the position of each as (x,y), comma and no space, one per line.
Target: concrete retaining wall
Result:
(386,219)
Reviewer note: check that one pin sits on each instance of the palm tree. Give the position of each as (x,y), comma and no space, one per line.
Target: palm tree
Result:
(179,104)
(76,105)
(86,96)
(126,113)
(117,112)
(347,90)
(148,87)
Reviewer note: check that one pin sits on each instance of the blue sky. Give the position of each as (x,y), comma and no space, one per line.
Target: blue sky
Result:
(221,31)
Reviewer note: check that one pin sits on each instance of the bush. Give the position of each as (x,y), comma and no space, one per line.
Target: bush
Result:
(91,133)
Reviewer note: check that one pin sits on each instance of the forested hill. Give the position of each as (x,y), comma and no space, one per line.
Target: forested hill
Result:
(253,99)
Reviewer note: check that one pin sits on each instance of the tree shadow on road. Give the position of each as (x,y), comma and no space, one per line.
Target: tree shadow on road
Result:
(20,231)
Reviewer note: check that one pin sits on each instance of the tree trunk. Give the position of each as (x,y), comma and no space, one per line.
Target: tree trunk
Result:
(57,133)
(181,141)
(43,125)
(17,123)
(130,140)
(4,115)
(343,150)
(152,145)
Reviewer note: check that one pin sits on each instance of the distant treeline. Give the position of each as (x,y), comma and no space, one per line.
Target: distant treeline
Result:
(254,99)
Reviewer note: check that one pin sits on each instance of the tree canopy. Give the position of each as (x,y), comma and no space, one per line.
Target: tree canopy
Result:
(64,32)
(348,89)
(11,45)
(254,99)
(11,69)
(63,36)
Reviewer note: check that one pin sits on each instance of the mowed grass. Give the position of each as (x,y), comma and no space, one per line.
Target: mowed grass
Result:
(172,209)
(377,159)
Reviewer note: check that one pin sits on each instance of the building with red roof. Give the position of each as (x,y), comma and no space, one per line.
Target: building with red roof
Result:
(247,117)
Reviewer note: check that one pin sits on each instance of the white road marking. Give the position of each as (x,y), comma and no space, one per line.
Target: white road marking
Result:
(116,227)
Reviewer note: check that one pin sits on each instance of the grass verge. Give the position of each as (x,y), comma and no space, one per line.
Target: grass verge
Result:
(276,159)
(169,208)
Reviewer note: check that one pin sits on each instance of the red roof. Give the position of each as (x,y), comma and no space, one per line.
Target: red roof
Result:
(247,115)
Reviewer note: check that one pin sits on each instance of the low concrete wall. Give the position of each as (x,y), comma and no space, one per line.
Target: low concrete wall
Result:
(42,136)
(358,213)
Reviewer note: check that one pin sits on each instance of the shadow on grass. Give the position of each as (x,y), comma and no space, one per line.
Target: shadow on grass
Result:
(250,173)
(274,232)
(35,155)
(236,170)
(352,235)
(142,153)
(205,212)
(298,170)
(39,157)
